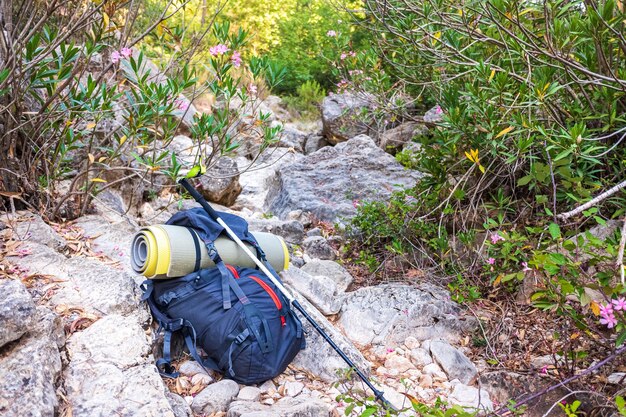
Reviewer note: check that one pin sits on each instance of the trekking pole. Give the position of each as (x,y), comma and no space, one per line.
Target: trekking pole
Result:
(211,212)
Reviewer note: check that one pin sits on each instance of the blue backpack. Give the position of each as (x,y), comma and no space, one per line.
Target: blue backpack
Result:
(236,315)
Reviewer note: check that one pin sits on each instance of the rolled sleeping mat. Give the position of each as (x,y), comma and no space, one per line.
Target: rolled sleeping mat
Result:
(165,251)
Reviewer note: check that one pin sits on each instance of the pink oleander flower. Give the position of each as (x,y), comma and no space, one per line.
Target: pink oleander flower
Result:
(606,310)
(218,49)
(544,370)
(525,267)
(619,304)
(356,203)
(252,89)
(390,350)
(609,320)
(181,104)
(115,57)
(331,33)
(438,109)
(236,59)
(491,261)
(343,56)
(126,52)
(495,238)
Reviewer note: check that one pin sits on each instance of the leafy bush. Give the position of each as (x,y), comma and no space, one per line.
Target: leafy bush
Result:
(533,99)
(77,107)
(306,102)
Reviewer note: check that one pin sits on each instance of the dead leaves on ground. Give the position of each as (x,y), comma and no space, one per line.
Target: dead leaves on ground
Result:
(75,318)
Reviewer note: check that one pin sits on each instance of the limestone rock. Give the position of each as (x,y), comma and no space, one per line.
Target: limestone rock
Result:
(292,137)
(110,371)
(319,358)
(470,397)
(16,310)
(216,397)
(318,248)
(434,115)
(330,269)
(321,291)
(617,378)
(32,227)
(29,369)
(342,116)
(220,184)
(420,357)
(393,140)
(256,178)
(191,368)
(387,314)
(179,405)
(454,363)
(314,143)
(292,388)
(290,230)
(249,394)
(398,362)
(286,407)
(331,182)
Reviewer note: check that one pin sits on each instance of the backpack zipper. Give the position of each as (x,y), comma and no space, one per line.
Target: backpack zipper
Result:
(267,289)
(272,294)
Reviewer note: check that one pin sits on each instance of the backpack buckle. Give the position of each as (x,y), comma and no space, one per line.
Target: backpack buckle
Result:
(212,250)
(174,325)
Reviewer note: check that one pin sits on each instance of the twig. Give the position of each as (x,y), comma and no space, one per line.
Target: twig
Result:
(593,202)
(546,390)
(620,254)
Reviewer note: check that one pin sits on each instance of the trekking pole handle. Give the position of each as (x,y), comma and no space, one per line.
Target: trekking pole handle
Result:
(198,197)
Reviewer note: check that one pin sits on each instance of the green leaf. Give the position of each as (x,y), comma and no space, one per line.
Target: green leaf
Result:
(555,230)
(620,339)
(368,412)
(349,409)
(196,171)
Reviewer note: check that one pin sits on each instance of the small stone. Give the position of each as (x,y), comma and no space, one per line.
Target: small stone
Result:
(414,373)
(314,232)
(191,368)
(400,351)
(216,397)
(617,378)
(411,343)
(189,399)
(381,370)
(426,381)
(434,370)
(293,388)
(470,397)
(201,379)
(249,394)
(319,248)
(420,357)
(267,386)
(399,363)
(268,401)
(393,372)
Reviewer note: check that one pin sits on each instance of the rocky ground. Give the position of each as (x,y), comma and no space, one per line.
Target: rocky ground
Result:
(75,340)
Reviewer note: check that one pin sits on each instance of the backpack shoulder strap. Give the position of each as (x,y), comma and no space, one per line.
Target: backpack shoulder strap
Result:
(169,326)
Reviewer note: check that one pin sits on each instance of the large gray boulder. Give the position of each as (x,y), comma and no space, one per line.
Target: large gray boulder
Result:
(331,182)
(220,184)
(286,407)
(321,291)
(256,178)
(111,371)
(290,230)
(387,314)
(319,358)
(292,137)
(330,269)
(16,310)
(344,116)
(29,370)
